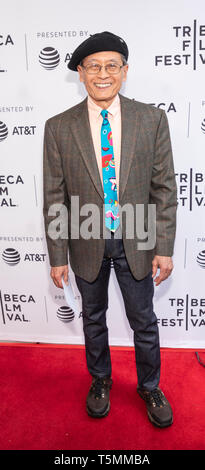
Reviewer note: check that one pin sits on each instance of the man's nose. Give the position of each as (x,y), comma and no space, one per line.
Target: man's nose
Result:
(103,73)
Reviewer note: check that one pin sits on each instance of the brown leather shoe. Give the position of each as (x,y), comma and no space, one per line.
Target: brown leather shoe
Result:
(98,398)
(158,408)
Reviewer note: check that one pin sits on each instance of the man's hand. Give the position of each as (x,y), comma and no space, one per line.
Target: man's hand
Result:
(165,264)
(56,274)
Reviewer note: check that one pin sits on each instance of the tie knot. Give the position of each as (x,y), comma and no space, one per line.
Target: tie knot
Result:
(104,113)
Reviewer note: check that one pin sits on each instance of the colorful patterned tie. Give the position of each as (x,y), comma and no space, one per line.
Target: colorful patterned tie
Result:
(112,218)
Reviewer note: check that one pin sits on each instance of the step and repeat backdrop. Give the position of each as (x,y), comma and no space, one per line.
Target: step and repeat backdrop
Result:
(166,41)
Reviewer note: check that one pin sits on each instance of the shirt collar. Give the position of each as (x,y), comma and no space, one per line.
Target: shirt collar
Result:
(113,109)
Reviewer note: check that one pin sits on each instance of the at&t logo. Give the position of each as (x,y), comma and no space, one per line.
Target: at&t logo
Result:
(201,259)
(49,58)
(3,131)
(65,314)
(11,256)
(203,126)
(17,130)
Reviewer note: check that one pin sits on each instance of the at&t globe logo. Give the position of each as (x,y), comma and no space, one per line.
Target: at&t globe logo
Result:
(65,314)
(3,131)
(201,259)
(11,256)
(203,126)
(49,58)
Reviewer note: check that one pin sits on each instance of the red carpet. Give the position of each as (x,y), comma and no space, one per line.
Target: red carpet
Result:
(43,392)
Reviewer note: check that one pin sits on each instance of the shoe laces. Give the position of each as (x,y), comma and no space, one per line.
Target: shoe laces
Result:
(98,387)
(156,398)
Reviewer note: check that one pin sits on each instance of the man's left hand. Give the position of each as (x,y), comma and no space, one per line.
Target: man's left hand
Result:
(165,264)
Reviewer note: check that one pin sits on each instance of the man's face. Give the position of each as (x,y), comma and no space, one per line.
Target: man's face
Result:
(103,86)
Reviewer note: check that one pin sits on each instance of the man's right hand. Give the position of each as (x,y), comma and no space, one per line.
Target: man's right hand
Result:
(57,272)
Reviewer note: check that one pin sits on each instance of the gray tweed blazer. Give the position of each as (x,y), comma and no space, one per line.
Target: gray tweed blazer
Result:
(146,177)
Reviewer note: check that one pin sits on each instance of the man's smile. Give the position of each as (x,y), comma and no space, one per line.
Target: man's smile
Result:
(103,85)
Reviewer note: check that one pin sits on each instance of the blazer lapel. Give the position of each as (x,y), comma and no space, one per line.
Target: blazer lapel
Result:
(130,131)
(81,130)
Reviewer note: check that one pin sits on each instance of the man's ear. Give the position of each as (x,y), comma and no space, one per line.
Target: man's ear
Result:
(125,72)
(80,73)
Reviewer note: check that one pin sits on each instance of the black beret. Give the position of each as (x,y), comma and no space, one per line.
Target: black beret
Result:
(96,43)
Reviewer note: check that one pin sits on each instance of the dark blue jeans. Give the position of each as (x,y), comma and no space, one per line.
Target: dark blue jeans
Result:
(138,302)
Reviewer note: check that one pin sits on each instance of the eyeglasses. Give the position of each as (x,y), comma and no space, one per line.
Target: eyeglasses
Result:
(112,69)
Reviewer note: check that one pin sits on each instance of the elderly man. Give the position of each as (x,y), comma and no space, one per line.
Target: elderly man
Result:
(112,152)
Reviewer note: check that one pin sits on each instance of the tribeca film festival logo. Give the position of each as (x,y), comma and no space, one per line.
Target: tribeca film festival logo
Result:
(7,182)
(186,313)
(192,47)
(14,307)
(191,189)
(166,106)
(5,40)
(12,257)
(16,130)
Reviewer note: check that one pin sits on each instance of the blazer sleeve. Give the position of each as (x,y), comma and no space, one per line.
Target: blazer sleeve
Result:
(164,190)
(54,192)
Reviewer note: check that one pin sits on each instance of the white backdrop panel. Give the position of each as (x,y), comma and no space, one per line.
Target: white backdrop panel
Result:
(166,41)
